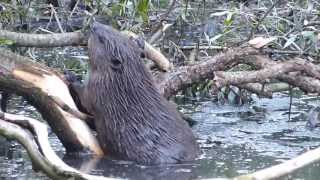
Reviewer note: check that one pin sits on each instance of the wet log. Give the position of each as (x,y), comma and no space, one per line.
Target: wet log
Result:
(183,77)
(283,169)
(33,135)
(41,85)
(75,39)
(44,40)
(307,79)
(296,72)
(244,77)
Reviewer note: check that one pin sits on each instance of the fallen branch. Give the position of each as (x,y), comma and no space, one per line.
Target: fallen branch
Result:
(285,168)
(151,53)
(265,90)
(243,77)
(160,32)
(38,83)
(75,39)
(284,71)
(297,53)
(191,47)
(185,76)
(44,40)
(39,149)
(307,84)
(56,17)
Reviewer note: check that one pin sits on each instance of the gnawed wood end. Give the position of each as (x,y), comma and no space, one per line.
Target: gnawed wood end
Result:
(54,86)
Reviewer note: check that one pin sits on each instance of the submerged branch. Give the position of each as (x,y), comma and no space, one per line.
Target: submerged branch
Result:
(285,168)
(38,147)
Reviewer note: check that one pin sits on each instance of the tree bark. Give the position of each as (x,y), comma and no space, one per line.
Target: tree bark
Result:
(38,83)
(35,141)
(183,77)
(44,40)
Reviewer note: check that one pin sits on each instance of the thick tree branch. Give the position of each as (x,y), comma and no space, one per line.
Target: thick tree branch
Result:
(182,77)
(75,39)
(243,77)
(38,83)
(285,168)
(44,40)
(307,84)
(38,147)
(265,90)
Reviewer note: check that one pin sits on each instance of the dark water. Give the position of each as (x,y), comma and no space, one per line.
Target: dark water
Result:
(234,140)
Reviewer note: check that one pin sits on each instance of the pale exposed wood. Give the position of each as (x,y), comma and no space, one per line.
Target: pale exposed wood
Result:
(285,168)
(75,39)
(44,40)
(38,147)
(160,32)
(37,83)
(153,54)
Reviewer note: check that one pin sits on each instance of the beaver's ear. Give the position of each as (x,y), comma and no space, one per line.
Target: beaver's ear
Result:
(115,63)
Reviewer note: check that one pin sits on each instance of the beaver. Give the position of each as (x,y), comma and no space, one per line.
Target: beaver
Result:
(133,120)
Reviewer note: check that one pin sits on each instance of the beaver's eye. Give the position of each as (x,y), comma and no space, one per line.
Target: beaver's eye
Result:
(115,63)
(142,55)
(101,40)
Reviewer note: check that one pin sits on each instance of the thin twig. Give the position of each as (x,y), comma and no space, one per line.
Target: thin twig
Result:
(57,18)
(276,51)
(255,28)
(290,103)
(171,7)
(159,33)
(74,8)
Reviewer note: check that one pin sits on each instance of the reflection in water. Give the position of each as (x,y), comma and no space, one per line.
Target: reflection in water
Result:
(123,169)
(234,140)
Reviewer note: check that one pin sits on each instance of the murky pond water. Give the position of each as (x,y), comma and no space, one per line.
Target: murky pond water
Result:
(234,140)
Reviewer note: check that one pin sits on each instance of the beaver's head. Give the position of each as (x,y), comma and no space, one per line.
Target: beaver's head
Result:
(111,51)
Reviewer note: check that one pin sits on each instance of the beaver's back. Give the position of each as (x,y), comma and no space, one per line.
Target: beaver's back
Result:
(134,122)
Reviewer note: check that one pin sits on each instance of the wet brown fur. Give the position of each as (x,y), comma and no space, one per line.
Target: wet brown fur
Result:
(133,121)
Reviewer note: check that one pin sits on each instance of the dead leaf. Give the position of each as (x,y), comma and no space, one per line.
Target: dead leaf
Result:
(259,42)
